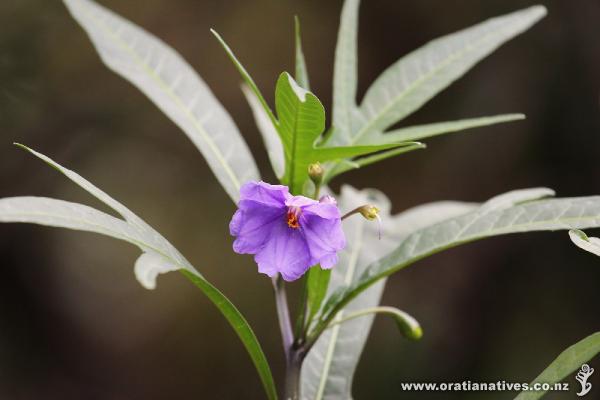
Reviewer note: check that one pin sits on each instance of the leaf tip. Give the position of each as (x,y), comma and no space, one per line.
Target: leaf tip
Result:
(575,234)
(416,333)
(540,10)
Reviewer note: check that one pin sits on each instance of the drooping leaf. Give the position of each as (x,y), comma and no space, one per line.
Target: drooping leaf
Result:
(517,212)
(581,240)
(420,132)
(568,362)
(149,265)
(159,256)
(414,79)
(168,80)
(301,70)
(329,367)
(407,325)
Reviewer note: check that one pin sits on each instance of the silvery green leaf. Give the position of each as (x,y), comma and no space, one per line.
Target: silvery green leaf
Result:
(149,265)
(329,367)
(486,221)
(301,73)
(420,132)
(345,75)
(64,214)
(168,80)
(159,255)
(414,79)
(569,361)
(581,240)
(268,131)
(515,197)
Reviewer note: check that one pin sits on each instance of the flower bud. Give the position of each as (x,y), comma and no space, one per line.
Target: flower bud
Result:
(369,211)
(315,172)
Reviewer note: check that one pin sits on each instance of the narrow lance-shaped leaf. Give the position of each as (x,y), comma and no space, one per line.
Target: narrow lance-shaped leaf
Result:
(523,214)
(301,70)
(335,169)
(247,78)
(268,132)
(159,256)
(409,83)
(420,132)
(345,74)
(568,362)
(168,80)
(329,368)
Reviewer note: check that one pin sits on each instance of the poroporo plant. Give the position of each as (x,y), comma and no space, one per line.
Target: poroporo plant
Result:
(342,246)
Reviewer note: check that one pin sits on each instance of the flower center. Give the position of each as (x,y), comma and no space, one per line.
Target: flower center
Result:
(292,217)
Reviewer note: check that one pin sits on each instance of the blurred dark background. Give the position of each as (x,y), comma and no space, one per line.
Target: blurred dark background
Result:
(74,323)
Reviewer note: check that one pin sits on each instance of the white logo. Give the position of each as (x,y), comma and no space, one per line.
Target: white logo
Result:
(582,376)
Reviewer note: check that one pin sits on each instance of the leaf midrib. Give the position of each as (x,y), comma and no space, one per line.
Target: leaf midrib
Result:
(411,88)
(165,87)
(335,332)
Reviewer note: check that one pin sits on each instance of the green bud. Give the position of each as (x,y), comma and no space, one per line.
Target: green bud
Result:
(315,172)
(369,211)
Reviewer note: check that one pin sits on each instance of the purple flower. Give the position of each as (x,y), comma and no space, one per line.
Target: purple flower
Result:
(287,234)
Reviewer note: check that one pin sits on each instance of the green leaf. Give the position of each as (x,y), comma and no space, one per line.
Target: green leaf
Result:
(247,78)
(301,71)
(170,83)
(414,79)
(329,366)
(159,256)
(517,211)
(268,131)
(564,365)
(243,330)
(334,170)
(338,153)
(584,242)
(421,132)
(301,121)
(345,76)
(316,286)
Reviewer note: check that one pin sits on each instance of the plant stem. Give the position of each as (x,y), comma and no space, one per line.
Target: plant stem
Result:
(283,313)
(292,375)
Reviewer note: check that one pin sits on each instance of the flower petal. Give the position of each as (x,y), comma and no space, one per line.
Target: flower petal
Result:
(328,261)
(324,210)
(252,224)
(285,252)
(261,192)
(300,201)
(324,238)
